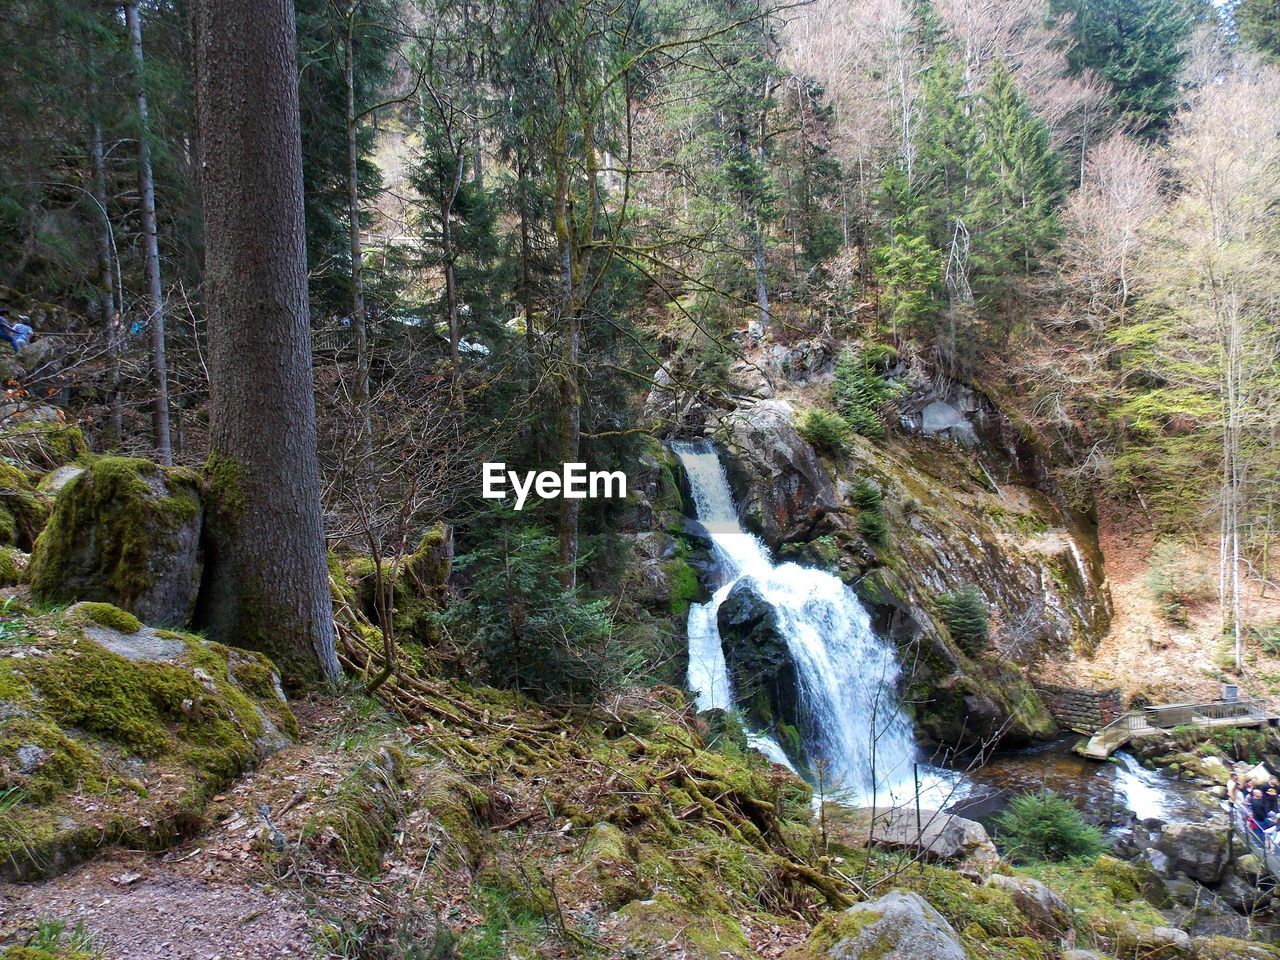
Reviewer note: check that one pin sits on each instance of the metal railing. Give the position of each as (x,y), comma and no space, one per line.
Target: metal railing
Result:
(1168,716)
(1261,846)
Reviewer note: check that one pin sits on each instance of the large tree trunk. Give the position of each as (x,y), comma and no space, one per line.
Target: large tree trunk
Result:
(266,579)
(151,249)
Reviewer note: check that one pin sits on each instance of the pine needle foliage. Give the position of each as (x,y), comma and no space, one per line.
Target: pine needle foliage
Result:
(964,611)
(1045,827)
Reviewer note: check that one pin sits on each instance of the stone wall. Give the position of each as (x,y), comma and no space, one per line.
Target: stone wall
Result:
(1081,710)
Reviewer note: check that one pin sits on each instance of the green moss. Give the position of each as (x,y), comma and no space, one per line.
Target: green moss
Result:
(665,923)
(115,499)
(97,721)
(255,677)
(965,904)
(45,444)
(23,511)
(1107,889)
(684,584)
(13,564)
(224,486)
(1227,948)
(107,615)
(835,928)
(38,953)
(354,826)
(64,763)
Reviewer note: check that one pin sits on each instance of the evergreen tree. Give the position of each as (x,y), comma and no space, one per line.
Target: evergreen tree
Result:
(1137,47)
(1257,23)
(1017,187)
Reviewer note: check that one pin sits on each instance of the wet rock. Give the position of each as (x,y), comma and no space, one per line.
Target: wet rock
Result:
(1047,912)
(760,666)
(897,926)
(782,488)
(1196,850)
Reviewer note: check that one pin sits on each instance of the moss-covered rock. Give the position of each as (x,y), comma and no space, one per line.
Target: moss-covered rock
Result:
(46,443)
(353,826)
(105,615)
(13,566)
(665,926)
(896,926)
(23,511)
(125,532)
(113,736)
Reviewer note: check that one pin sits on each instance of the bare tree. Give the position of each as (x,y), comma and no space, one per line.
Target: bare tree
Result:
(151,248)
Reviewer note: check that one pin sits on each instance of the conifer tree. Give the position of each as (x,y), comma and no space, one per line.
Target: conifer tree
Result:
(1258,25)
(1137,47)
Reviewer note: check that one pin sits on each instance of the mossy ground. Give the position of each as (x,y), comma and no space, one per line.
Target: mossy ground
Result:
(99,748)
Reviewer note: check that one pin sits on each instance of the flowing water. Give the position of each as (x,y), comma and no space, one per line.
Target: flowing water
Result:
(1112,794)
(855,728)
(854,725)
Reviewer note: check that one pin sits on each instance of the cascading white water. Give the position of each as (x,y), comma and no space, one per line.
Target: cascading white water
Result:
(847,675)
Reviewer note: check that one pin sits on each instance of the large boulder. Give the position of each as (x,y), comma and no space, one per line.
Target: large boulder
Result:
(125,531)
(783,490)
(937,836)
(1047,912)
(118,732)
(1195,850)
(760,666)
(897,926)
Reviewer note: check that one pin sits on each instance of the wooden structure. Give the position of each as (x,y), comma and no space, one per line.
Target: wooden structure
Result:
(1148,721)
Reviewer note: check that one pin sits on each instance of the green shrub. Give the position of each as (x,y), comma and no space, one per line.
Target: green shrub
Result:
(824,430)
(872,522)
(525,630)
(964,611)
(861,389)
(1044,827)
(1267,636)
(1175,583)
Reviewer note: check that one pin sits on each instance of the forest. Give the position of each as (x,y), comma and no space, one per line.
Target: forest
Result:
(915,362)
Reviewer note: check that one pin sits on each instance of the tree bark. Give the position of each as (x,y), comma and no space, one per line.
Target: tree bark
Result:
(359,326)
(106,280)
(151,248)
(266,578)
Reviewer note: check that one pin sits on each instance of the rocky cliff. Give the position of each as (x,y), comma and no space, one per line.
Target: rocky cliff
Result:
(958,493)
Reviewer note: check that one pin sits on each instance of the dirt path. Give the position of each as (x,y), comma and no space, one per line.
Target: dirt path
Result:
(209,899)
(141,908)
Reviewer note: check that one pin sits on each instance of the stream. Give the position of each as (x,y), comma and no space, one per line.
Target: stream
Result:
(1112,795)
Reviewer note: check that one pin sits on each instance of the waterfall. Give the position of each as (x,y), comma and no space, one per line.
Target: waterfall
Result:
(847,676)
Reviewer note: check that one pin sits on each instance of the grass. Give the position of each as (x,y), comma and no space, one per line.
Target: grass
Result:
(57,940)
